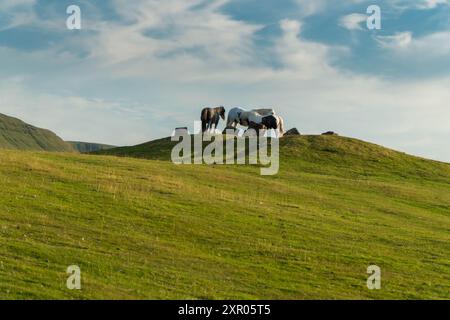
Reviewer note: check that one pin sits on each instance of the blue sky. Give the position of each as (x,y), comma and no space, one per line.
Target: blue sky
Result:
(138,69)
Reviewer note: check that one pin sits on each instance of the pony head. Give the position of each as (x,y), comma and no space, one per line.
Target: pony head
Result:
(270,122)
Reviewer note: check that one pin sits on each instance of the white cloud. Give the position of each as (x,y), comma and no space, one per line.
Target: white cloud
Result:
(18,12)
(11,4)
(74,117)
(194,36)
(417,4)
(400,40)
(353,21)
(307,59)
(201,57)
(430,4)
(311,7)
(426,47)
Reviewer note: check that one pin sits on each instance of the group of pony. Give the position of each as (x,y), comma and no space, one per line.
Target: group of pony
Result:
(257,119)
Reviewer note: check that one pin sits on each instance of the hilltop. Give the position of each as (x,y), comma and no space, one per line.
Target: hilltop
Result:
(319,153)
(16,134)
(146,228)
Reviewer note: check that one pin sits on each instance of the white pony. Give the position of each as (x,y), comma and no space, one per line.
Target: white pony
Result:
(240,116)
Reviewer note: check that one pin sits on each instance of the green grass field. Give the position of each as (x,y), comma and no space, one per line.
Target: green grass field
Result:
(148,229)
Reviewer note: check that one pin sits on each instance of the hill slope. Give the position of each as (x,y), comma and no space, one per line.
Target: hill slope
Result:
(16,134)
(89,147)
(150,229)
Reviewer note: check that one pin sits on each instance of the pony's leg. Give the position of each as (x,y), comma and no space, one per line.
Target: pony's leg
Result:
(216,125)
(263,132)
(230,121)
(204,125)
(209,125)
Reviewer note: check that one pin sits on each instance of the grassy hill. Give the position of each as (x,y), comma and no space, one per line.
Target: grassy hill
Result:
(89,147)
(142,228)
(16,134)
(159,149)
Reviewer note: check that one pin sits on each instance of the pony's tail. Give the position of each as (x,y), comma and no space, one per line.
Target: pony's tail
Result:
(281,126)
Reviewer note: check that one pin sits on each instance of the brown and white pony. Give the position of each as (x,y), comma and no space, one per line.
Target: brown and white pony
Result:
(257,121)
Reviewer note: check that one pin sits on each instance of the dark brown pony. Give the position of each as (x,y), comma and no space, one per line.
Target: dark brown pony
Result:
(211,116)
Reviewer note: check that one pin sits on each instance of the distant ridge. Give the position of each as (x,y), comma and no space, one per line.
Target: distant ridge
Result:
(16,134)
(89,146)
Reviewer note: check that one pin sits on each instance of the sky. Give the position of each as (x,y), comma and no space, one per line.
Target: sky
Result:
(138,69)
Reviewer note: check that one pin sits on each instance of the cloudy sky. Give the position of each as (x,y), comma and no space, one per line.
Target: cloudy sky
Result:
(137,69)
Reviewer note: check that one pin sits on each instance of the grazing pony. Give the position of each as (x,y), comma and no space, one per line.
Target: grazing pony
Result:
(211,116)
(238,115)
(279,125)
(258,122)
